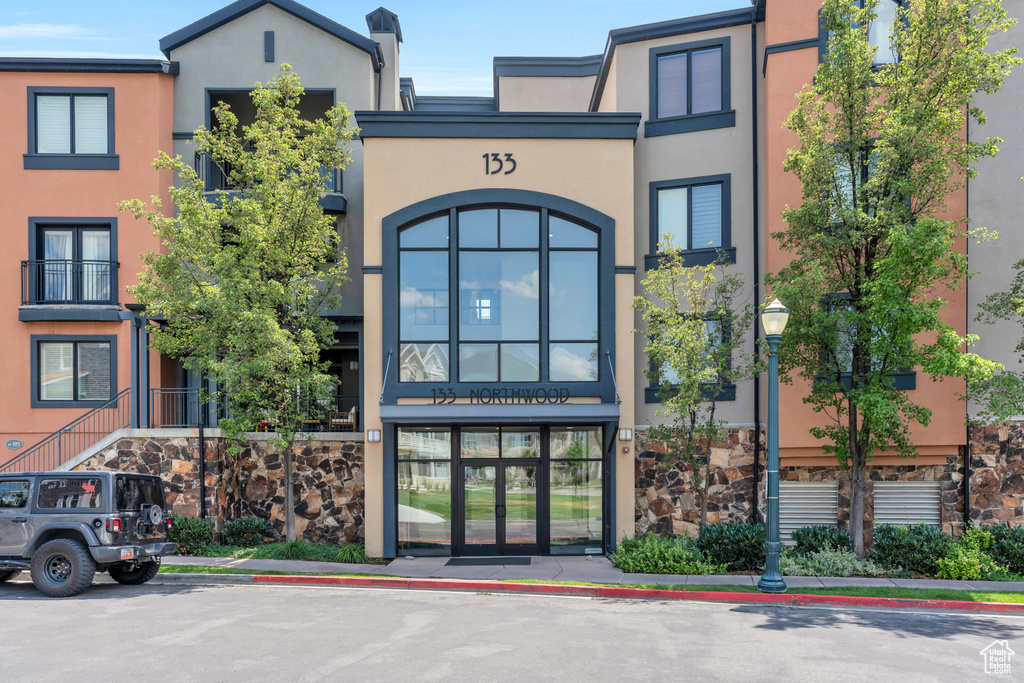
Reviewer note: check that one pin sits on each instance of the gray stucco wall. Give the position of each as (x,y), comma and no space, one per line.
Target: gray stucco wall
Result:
(995,203)
(232,57)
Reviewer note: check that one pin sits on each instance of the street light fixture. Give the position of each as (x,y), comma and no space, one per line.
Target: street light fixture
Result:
(773,318)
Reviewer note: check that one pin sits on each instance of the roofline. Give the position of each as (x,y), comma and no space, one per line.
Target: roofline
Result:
(494,124)
(665,29)
(88,65)
(239,8)
(544,67)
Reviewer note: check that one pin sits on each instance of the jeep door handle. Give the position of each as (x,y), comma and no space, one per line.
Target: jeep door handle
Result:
(20,520)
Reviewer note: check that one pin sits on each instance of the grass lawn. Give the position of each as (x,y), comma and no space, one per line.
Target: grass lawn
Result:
(316,552)
(480,503)
(855,591)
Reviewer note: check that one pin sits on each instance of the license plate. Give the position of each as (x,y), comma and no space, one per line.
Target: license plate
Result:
(127,553)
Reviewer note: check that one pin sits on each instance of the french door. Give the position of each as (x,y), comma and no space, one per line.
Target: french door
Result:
(499,500)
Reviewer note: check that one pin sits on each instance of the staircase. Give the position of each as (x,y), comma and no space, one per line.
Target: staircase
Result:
(74,437)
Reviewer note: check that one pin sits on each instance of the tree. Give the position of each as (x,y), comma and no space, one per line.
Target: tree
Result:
(1001,396)
(881,148)
(696,326)
(242,276)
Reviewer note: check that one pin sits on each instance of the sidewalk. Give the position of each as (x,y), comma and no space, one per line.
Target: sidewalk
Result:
(591,569)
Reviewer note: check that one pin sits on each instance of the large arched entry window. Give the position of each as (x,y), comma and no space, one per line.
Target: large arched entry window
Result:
(498,291)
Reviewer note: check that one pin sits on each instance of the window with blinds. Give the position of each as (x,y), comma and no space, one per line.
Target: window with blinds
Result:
(74,371)
(71,124)
(691,217)
(689,82)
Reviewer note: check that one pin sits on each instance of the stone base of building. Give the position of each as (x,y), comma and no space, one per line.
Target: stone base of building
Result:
(666,500)
(327,477)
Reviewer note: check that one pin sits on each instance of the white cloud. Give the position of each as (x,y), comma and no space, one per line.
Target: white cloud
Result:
(24,31)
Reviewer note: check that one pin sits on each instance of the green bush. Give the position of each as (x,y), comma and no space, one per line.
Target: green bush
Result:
(191,534)
(353,552)
(967,561)
(1007,547)
(247,532)
(812,539)
(913,548)
(653,554)
(296,550)
(828,562)
(740,547)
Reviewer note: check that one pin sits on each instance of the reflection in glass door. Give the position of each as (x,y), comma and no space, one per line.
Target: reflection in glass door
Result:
(480,509)
(520,508)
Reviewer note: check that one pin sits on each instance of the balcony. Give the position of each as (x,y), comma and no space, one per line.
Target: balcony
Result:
(56,289)
(214,179)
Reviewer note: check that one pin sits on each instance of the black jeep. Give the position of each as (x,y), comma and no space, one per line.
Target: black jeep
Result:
(66,526)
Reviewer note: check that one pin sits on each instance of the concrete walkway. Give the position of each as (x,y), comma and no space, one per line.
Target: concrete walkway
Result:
(589,569)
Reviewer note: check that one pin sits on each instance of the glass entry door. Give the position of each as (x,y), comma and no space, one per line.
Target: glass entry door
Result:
(499,503)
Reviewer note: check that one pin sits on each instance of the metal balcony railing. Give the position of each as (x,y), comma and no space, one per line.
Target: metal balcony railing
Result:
(60,281)
(216,177)
(175,407)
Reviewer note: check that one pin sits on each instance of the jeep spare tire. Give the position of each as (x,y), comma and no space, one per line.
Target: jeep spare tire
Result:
(8,574)
(156,515)
(132,574)
(62,568)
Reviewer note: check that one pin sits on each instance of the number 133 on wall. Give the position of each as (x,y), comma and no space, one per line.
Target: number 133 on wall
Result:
(494,164)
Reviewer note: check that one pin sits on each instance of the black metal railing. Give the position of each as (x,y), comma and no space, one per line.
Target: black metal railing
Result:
(169,407)
(338,413)
(74,437)
(66,281)
(216,176)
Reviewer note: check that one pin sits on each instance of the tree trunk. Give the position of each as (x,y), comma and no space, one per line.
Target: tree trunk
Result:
(857,490)
(289,495)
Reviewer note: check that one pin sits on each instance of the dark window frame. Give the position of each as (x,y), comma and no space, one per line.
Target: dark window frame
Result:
(36,226)
(726,393)
(823,36)
(546,204)
(687,123)
(28,495)
(693,257)
(34,368)
(35,160)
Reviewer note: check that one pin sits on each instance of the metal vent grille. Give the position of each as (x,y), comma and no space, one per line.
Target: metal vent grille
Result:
(806,503)
(908,502)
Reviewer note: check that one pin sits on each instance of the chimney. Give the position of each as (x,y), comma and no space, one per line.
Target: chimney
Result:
(385,29)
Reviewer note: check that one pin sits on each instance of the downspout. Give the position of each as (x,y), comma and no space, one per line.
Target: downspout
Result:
(757,257)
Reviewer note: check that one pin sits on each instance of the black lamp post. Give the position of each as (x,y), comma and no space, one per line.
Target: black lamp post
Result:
(773,318)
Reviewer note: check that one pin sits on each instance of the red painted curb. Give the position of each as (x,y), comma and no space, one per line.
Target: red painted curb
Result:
(637,593)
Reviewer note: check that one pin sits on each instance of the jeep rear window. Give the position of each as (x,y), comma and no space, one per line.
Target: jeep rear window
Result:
(69,493)
(13,494)
(134,492)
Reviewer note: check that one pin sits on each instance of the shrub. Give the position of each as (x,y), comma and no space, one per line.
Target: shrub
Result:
(191,534)
(292,550)
(653,554)
(967,561)
(353,552)
(812,539)
(828,562)
(247,532)
(1007,547)
(740,547)
(914,548)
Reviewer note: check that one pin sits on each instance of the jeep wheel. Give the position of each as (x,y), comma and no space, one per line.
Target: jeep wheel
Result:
(131,574)
(9,574)
(62,568)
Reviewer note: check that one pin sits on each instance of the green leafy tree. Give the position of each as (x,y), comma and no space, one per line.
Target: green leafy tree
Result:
(242,277)
(695,327)
(1001,396)
(881,148)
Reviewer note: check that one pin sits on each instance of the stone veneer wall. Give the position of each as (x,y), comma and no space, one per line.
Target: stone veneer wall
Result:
(328,481)
(665,502)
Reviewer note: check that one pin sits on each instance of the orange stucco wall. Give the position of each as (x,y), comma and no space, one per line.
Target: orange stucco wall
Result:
(786,74)
(143,125)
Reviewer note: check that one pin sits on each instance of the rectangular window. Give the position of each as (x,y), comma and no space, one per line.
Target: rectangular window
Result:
(13,494)
(691,214)
(70,493)
(72,124)
(689,82)
(575,496)
(73,265)
(71,372)
(424,490)
(423,302)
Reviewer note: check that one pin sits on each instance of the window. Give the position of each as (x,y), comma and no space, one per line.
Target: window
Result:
(715,334)
(73,371)
(499,297)
(694,213)
(575,497)
(70,493)
(71,128)
(424,490)
(879,32)
(13,494)
(837,366)
(689,88)
(72,264)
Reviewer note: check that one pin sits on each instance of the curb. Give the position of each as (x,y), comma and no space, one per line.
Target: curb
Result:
(591,591)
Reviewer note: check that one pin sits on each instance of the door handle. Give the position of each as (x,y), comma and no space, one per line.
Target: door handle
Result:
(20,520)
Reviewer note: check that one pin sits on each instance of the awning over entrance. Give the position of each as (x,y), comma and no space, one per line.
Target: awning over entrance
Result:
(500,414)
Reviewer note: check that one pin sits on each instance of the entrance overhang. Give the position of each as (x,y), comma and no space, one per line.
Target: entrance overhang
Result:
(500,414)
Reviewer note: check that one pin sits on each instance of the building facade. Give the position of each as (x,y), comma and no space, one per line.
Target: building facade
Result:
(486,352)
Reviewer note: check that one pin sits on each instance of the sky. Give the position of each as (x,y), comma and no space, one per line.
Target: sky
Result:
(447,49)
